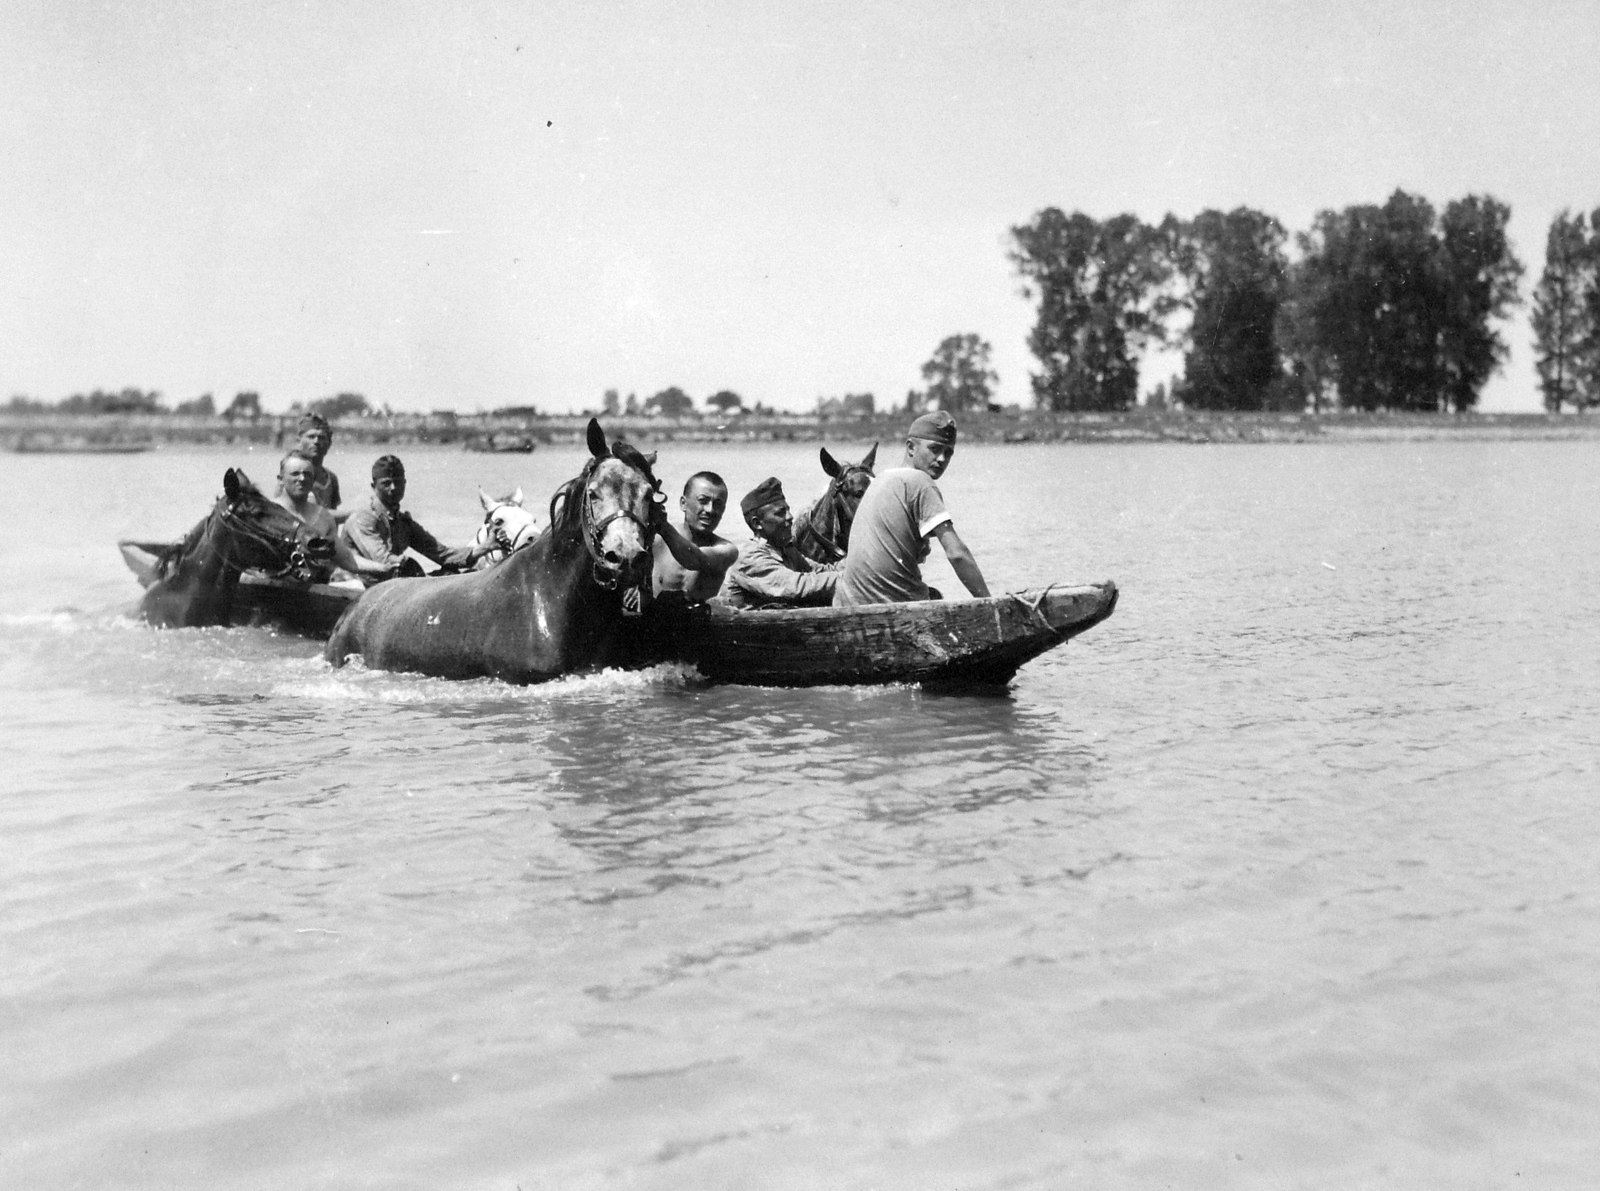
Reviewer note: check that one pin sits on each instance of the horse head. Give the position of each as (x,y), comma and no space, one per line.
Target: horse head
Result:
(609,508)
(506,525)
(256,533)
(848,482)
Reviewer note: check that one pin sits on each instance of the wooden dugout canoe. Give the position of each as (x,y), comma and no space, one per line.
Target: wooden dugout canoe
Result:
(939,643)
(945,643)
(310,610)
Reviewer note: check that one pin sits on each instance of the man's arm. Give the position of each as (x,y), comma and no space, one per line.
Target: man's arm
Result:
(713,560)
(425,544)
(961,560)
(353,562)
(361,532)
(761,573)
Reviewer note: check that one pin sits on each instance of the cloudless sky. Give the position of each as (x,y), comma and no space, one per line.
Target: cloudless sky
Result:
(474,204)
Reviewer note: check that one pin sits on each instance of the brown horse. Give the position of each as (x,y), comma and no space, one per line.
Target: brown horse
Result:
(193,582)
(549,609)
(822,530)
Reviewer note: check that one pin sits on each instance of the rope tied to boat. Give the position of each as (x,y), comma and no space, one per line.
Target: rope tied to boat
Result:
(1035,606)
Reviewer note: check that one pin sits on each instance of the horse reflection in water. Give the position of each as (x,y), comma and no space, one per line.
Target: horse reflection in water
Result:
(550,609)
(192,583)
(822,529)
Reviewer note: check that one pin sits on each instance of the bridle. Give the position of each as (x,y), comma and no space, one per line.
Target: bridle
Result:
(607,573)
(834,498)
(302,565)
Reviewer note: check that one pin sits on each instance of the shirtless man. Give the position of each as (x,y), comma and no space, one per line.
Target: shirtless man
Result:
(315,437)
(693,560)
(895,520)
(297,476)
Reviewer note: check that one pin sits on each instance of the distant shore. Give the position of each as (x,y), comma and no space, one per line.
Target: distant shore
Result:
(52,432)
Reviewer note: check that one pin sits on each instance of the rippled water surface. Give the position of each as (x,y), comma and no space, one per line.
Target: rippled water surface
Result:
(1285,876)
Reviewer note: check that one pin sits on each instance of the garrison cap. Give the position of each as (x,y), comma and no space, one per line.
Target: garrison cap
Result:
(388,466)
(312,422)
(762,495)
(937,426)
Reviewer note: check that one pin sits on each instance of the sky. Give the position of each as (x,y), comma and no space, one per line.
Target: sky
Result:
(469,204)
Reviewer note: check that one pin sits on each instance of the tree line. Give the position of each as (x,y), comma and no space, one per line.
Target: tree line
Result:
(1386,307)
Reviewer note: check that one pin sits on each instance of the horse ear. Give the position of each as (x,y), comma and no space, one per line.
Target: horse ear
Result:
(230,483)
(651,459)
(597,440)
(829,463)
(516,497)
(483,499)
(870,457)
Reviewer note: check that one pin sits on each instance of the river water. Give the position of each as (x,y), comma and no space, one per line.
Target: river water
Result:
(1285,876)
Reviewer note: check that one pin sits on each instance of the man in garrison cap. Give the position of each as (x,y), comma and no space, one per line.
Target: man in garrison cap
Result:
(771,572)
(315,437)
(896,519)
(382,531)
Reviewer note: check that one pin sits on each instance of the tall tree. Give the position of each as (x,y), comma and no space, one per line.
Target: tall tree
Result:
(1392,308)
(958,375)
(1233,268)
(1479,287)
(1099,286)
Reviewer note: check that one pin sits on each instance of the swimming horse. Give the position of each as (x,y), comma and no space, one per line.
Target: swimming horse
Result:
(553,608)
(506,524)
(192,583)
(822,530)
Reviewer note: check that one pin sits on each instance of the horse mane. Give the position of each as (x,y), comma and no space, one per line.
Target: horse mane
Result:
(566,509)
(170,557)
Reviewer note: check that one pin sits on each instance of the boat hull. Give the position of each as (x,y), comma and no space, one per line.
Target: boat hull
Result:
(309,610)
(944,643)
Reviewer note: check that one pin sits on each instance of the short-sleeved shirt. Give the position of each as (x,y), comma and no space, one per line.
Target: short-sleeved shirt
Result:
(889,539)
(383,536)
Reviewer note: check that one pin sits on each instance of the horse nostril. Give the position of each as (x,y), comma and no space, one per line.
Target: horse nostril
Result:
(613,557)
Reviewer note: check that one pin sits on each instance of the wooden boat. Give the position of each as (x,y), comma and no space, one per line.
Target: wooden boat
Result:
(942,643)
(311,610)
(33,445)
(938,643)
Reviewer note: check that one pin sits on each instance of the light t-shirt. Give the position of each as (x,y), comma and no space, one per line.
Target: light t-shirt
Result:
(889,539)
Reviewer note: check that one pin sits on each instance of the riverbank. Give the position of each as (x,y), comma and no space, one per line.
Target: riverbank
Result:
(58,432)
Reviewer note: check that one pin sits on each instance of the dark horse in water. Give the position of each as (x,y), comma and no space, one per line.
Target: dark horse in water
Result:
(822,530)
(192,583)
(551,608)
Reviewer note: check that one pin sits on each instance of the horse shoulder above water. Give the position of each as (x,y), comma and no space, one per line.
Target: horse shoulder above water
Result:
(822,529)
(192,583)
(550,609)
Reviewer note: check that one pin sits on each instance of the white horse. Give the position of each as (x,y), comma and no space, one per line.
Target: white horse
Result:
(507,526)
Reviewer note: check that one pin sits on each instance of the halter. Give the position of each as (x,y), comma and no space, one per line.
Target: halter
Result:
(831,497)
(606,573)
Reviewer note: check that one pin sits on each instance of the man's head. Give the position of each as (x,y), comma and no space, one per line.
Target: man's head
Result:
(766,512)
(389,481)
(704,500)
(316,436)
(297,471)
(931,443)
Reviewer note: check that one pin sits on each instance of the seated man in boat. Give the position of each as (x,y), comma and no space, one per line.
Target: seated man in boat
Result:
(381,531)
(692,560)
(297,477)
(315,437)
(771,571)
(897,517)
